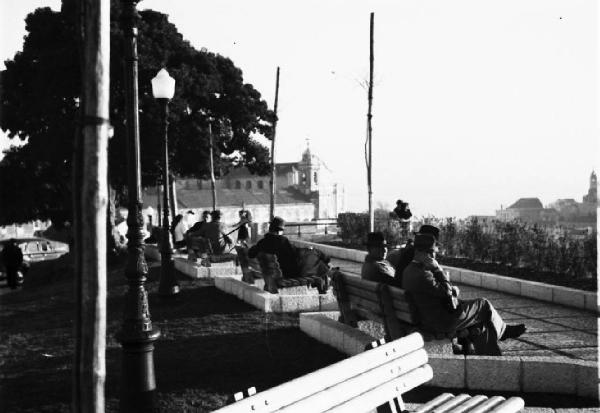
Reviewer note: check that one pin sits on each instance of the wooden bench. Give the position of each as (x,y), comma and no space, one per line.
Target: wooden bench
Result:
(376,378)
(360,299)
(249,271)
(199,248)
(271,272)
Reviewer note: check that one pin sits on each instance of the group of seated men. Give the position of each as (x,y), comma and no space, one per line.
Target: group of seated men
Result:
(293,262)
(440,310)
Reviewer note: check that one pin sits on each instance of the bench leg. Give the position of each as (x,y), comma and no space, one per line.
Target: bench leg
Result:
(395,405)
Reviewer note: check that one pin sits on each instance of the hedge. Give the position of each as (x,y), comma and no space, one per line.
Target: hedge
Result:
(514,244)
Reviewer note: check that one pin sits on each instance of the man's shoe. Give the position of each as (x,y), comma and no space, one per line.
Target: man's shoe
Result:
(513,331)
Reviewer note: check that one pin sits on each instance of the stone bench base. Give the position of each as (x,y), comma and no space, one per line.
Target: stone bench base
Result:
(480,373)
(195,270)
(289,300)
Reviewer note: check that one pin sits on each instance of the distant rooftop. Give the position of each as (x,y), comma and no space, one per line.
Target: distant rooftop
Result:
(202,198)
(527,203)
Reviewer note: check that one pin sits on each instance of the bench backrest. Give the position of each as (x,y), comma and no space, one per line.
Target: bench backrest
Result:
(355,384)
(360,299)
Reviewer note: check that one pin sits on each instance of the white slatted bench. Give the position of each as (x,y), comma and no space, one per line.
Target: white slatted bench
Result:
(376,378)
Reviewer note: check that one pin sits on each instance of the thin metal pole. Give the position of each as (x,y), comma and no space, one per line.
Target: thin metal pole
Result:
(272,204)
(138,334)
(168,284)
(370,130)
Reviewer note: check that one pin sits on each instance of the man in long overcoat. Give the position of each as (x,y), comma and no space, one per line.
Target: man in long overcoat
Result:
(439,308)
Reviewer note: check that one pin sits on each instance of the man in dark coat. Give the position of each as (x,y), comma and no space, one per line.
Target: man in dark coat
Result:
(214,232)
(376,268)
(12,256)
(439,308)
(274,242)
(404,256)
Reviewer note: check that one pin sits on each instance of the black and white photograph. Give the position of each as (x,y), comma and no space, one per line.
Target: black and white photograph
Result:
(299,206)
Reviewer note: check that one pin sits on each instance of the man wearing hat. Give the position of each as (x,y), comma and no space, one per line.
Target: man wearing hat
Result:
(440,310)
(376,267)
(402,257)
(274,242)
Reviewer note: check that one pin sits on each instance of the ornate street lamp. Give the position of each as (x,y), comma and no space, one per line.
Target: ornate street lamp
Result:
(137,335)
(163,89)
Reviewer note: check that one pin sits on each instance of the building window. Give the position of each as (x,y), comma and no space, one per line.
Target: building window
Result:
(315,178)
(261,185)
(238,185)
(303,178)
(248,184)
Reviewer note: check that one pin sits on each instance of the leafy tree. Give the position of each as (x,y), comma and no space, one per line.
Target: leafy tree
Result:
(40,93)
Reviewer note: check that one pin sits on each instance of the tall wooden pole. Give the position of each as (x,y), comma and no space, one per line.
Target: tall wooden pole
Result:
(212,166)
(90,199)
(370,131)
(137,334)
(272,206)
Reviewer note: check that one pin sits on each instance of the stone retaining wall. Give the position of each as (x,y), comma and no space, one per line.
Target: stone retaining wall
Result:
(515,374)
(585,300)
(219,269)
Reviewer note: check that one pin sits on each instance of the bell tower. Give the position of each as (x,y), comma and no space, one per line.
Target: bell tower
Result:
(309,171)
(592,195)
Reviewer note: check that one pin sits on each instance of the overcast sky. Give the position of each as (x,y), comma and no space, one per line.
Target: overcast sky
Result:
(476,102)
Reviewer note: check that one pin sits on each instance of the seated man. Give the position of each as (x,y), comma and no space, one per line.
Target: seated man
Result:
(274,242)
(440,310)
(376,267)
(196,227)
(404,256)
(214,231)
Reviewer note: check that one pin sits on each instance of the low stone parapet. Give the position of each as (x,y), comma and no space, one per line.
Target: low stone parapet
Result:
(570,297)
(196,270)
(288,300)
(503,373)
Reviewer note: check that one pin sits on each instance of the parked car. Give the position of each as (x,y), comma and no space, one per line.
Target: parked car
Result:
(36,249)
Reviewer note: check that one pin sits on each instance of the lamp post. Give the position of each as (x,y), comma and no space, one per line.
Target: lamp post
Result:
(137,334)
(163,89)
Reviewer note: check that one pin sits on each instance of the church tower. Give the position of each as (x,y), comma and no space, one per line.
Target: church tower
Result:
(308,169)
(592,195)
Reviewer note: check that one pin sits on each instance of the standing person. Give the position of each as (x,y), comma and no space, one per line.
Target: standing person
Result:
(402,210)
(376,268)
(179,229)
(440,310)
(214,231)
(244,227)
(13,261)
(274,242)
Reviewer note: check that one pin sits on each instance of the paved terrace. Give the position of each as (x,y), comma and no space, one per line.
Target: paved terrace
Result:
(552,330)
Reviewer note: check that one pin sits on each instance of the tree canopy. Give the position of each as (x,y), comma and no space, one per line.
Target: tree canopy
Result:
(40,95)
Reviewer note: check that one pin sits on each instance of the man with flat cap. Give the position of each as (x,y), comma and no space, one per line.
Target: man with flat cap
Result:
(376,268)
(274,242)
(440,310)
(404,256)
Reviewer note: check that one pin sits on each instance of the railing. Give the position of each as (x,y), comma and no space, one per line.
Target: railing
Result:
(320,227)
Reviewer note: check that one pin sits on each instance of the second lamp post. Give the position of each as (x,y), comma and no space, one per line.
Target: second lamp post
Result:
(163,89)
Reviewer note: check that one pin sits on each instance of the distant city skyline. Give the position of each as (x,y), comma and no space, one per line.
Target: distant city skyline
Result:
(476,104)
